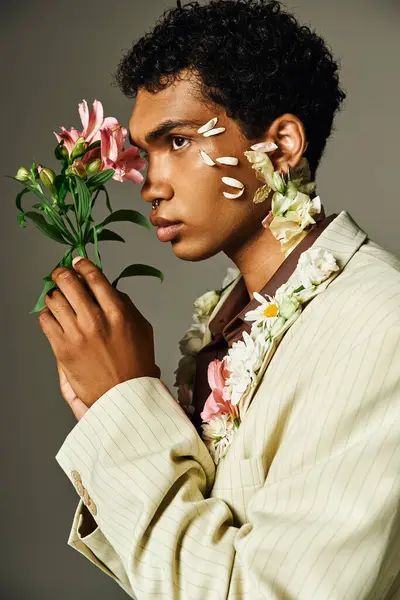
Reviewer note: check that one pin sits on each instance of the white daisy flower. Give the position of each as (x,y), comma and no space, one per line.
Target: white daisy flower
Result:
(243,361)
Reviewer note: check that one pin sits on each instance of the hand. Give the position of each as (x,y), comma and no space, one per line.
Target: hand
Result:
(98,336)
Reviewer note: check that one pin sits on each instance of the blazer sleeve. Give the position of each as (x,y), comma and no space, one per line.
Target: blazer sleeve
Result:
(327,530)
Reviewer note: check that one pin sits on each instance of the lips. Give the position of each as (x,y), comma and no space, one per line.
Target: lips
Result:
(169,232)
(161,222)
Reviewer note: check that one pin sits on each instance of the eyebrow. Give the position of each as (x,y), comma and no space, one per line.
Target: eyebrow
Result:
(165,127)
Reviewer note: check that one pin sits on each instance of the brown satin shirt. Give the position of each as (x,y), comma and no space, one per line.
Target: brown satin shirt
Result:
(228,324)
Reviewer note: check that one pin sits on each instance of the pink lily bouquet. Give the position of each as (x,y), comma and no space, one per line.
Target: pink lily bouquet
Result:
(89,159)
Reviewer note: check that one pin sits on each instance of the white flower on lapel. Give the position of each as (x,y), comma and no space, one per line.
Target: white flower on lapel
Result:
(185,398)
(218,434)
(243,360)
(192,341)
(205,304)
(272,313)
(315,266)
(231,274)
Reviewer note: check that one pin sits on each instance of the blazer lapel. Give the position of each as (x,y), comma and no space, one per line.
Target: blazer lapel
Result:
(343,237)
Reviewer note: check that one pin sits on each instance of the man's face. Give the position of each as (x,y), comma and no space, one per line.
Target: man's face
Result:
(191,191)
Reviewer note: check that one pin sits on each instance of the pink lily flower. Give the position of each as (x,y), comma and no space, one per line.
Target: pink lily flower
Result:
(70,138)
(126,162)
(91,122)
(218,401)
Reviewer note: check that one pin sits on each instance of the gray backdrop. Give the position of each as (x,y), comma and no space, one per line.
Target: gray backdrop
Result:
(54,54)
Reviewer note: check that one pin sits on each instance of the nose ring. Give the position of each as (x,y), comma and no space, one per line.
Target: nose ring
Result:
(155,203)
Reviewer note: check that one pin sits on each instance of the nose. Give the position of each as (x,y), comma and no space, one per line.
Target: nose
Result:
(156,188)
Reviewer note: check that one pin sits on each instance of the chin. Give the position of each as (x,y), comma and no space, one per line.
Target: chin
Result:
(191,252)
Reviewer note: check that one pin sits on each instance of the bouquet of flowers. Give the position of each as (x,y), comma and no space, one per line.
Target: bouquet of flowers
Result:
(89,159)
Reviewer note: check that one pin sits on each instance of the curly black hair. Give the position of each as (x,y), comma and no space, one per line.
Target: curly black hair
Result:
(251,57)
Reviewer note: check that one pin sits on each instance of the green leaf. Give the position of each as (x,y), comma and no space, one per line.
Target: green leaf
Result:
(19,198)
(126,214)
(40,304)
(107,199)
(93,146)
(106,235)
(83,200)
(138,269)
(50,230)
(100,178)
(60,184)
(21,220)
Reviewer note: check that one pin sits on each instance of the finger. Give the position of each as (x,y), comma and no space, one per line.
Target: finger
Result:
(75,291)
(106,295)
(50,327)
(61,309)
(75,403)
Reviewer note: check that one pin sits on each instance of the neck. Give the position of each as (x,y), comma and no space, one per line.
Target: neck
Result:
(257,260)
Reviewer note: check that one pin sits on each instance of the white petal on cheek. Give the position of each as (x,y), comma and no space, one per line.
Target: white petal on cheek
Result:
(207,159)
(232,182)
(209,125)
(228,160)
(214,131)
(233,196)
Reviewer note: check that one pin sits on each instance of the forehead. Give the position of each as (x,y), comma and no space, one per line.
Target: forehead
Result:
(177,101)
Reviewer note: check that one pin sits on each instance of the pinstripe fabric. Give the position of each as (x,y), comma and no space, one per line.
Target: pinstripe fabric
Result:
(305,504)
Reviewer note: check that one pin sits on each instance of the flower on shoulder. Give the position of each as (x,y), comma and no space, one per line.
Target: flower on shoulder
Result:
(315,266)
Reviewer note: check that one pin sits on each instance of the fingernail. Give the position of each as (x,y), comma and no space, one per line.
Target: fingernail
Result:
(75,260)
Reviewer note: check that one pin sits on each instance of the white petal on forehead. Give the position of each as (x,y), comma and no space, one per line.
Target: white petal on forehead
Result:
(214,131)
(209,125)
(207,159)
(227,160)
(233,182)
(233,196)
(264,147)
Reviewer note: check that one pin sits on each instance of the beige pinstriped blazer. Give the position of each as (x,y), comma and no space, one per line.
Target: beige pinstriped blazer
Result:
(305,504)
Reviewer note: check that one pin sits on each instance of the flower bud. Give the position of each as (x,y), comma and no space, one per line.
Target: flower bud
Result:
(61,152)
(22,174)
(79,148)
(78,169)
(47,178)
(93,166)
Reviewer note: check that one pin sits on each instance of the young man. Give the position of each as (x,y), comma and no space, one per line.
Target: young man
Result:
(289,489)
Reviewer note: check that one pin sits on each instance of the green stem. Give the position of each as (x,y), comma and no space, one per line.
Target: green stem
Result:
(82,251)
(78,226)
(71,225)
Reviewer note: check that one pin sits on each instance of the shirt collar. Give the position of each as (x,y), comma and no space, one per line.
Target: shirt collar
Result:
(228,323)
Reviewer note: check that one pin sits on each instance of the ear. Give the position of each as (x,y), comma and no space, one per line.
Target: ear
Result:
(289,134)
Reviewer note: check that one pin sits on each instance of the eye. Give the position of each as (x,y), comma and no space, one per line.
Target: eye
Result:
(178,137)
